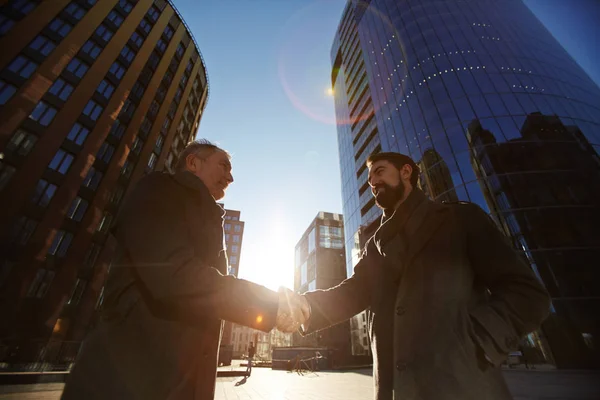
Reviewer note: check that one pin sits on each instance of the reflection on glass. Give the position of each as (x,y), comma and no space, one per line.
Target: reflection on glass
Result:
(543,188)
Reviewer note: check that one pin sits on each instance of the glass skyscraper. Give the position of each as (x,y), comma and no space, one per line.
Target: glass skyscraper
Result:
(495,112)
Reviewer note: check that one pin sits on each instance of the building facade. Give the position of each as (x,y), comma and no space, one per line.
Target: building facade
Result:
(320,263)
(234,233)
(93,95)
(482,97)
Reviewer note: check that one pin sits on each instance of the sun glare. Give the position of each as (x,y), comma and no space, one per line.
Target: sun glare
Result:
(329,91)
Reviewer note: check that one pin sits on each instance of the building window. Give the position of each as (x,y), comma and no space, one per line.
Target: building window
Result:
(115,18)
(127,53)
(91,49)
(104,32)
(236,238)
(93,110)
(77,67)
(127,169)
(312,285)
(61,89)
(75,11)
(180,50)
(61,161)
(128,108)
(22,230)
(145,26)
(106,152)
(153,61)
(227,227)
(312,238)
(117,195)
(153,109)
(234,248)
(6,92)
(77,209)
(43,193)
(61,243)
(105,89)
(105,222)
(146,126)
(78,134)
(153,13)
(92,179)
(138,90)
(117,70)
(137,39)
(237,228)
(41,283)
(161,45)
(77,292)
(303,274)
(42,45)
(92,256)
(227,237)
(168,32)
(159,144)
(233,260)
(165,128)
(137,145)
(43,114)
(60,27)
(21,142)
(152,161)
(117,129)
(22,66)
(6,172)
(126,6)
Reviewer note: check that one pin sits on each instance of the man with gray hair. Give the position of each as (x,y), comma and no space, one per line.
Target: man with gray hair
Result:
(168,293)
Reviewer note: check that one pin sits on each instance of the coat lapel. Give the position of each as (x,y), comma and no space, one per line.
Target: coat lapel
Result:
(431,215)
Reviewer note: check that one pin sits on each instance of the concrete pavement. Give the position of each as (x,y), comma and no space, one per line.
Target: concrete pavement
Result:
(265,384)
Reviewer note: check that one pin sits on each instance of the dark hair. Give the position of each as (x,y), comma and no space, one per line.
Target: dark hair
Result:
(202,147)
(399,161)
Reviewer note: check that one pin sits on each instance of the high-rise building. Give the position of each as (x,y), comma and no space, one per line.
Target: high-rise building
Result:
(93,95)
(412,76)
(234,233)
(320,263)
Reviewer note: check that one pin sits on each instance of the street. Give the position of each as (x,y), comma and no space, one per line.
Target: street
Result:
(266,384)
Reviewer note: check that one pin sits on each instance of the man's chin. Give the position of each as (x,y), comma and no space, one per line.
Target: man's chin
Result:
(218,194)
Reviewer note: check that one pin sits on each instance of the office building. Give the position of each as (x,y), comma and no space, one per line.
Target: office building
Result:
(428,79)
(320,263)
(93,95)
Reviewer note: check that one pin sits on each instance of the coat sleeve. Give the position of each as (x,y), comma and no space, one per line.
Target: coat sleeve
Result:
(518,302)
(342,302)
(154,232)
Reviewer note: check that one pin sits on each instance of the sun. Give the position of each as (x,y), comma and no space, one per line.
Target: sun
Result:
(329,92)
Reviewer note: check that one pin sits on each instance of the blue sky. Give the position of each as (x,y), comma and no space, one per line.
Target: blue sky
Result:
(269,67)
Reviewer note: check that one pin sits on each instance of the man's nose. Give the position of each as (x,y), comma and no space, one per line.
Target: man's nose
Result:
(229,178)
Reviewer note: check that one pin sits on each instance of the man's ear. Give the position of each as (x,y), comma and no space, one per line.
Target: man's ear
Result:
(192,162)
(406,172)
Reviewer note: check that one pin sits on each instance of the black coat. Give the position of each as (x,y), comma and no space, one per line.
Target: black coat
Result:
(166,298)
(436,331)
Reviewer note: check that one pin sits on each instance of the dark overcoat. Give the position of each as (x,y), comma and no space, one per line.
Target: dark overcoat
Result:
(448,299)
(165,299)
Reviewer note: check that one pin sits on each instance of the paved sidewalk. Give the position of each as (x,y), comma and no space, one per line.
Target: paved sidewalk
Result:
(265,384)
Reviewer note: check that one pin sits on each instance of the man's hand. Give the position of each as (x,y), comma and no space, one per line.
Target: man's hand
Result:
(293,311)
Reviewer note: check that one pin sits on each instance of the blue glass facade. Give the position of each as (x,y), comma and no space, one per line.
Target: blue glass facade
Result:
(495,112)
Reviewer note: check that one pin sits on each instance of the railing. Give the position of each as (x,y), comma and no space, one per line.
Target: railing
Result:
(37,356)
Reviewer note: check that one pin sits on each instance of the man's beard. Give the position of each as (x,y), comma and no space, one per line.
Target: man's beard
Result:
(390,196)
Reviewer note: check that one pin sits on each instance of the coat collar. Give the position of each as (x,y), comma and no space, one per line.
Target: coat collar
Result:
(191,181)
(419,219)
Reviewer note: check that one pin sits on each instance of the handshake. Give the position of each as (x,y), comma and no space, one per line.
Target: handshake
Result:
(293,311)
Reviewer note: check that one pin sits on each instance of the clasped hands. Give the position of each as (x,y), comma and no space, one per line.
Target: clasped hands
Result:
(293,311)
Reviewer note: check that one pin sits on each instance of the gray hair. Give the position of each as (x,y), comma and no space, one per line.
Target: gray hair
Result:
(201,147)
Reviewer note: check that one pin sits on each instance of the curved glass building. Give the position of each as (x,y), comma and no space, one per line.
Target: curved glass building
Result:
(93,95)
(496,112)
